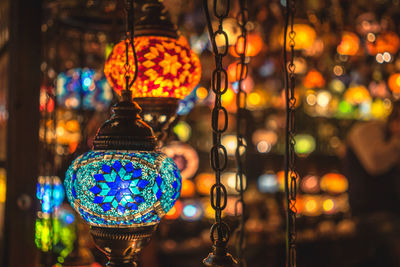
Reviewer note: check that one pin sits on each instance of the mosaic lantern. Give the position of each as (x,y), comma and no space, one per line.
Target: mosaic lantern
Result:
(168,70)
(124,186)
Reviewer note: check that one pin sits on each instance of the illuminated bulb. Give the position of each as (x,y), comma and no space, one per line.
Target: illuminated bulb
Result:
(311,99)
(201,93)
(328,205)
(183,131)
(191,211)
(387,57)
(379,58)
(268,183)
(371,37)
(230,143)
(310,184)
(263,147)
(323,98)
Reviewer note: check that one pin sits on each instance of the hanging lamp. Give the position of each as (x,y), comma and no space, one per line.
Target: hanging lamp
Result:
(124,186)
(168,70)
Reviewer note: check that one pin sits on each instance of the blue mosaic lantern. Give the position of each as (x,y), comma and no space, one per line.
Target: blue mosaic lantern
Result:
(122,188)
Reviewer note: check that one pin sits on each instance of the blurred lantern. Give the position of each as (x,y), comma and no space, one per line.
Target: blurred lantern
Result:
(310,184)
(280,176)
(367,24)
(191,210)
(50,192)
(203,182)
(201,93)
(345,109)
(175,211)
(187,104)
(188,188)
(46,100)
(349,44)
(311,205)
(379,89)
(329,205)
(56,234)
(357,94)
(264,140)
(168,70)
(183,131)
(254,45)
(334,183)
(229,141)
(385,42)
(300,65)
(304,144)
(83,88)
(184,156)
(314,79)
(257,99)
(394,83)
(268,183)
(304,38)
(234,70)
(247,85)
(68,132)
(2,185)
(229,179)
(380,109)
(232,30)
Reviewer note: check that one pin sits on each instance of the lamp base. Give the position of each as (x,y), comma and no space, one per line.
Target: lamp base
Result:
(122,245)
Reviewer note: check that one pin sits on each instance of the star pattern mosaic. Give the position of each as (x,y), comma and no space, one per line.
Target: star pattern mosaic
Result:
(119,187)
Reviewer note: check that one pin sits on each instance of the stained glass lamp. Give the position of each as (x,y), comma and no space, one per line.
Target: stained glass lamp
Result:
(123,187)
(83,88)
(168,70)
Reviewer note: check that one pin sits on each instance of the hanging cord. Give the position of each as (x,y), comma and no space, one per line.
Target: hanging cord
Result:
(291,175)
(219,232)
(240,185)
(129,43)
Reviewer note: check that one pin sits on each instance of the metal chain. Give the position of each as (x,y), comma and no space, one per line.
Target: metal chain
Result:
(291,175)
(241,74)
(219,232)
(129,43)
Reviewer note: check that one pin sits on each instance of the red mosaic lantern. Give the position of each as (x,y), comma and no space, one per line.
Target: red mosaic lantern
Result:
(167,67)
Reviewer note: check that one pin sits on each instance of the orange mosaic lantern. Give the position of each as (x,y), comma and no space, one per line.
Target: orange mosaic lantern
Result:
(394,83)
(254,45)
(349,45)
(385,42)
(167,67)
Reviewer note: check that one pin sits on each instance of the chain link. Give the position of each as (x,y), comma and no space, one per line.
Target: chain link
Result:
(241,74)
(129,43)
(291,175)
(219,231)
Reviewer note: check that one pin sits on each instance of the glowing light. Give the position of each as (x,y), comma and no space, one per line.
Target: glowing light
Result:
(201,93)
(338,70)
(385,42)
(310,184)
(323,98)
(263,147)
(268,183)
(328,205)
(357,94)
(304,38)
(167,67)
(334,183)
(305,144)
(192,211)
(230,143)
(254,45)
(281,179)
(50,192)
(229,179)
(349,44)
(183,131)
(188,188)
(203,182)
(184,156)
(394,83)
(311,205)
(2,185)
(175,211)
(311,98)
(314,79)
(264,135)
(125,188)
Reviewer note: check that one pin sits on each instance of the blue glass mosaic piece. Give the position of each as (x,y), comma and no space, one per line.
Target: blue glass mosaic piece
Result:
(111,188)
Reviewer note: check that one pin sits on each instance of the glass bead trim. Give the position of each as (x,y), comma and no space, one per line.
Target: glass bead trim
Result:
(122,188)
